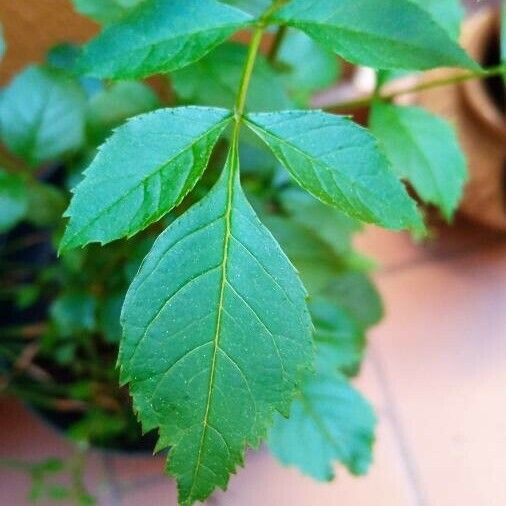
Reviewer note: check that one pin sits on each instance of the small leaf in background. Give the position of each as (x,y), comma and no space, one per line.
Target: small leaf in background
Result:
(407,35)
(217,337)
(109,313)
(143,171)
(64,57)
(214,80)
(13,200)
(339,338)
(161,36)
(313,258)
(310,67)
(339,163)
(46,204)
(73,312)
(355,293)
(425,151)
(332,226)
(106,11)
(42,115)
(114,104)
(330,421)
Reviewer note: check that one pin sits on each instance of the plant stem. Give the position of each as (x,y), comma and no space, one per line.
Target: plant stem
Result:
(247,73)
(436,83)
(277,43)
(251,59)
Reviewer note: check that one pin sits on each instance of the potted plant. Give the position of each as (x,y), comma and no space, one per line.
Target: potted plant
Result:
(248,315)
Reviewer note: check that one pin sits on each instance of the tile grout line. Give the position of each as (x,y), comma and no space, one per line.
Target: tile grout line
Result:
(405,454)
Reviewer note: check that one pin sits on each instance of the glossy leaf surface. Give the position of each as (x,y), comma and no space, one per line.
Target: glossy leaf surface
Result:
(141,172)
(423,149)
(42,115)
(387,34)
(340,164)
(217,337)
(161,36)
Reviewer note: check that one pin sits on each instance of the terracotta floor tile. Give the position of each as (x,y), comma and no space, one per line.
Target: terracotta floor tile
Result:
(25,437)
(443,349)
(265,482)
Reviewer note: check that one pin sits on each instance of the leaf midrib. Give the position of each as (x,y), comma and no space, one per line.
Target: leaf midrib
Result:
(221,309)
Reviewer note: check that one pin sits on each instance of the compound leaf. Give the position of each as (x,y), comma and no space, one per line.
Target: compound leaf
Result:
(423,149)
(340,164)
(217,337)
(330,421)
(407,36)
(141,172)
(161,36)
(13,200)
(42,115)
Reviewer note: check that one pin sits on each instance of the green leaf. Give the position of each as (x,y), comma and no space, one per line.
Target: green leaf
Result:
(143,171)
(340,339)
(215,79)
(113,105)
(423,149)
(357,296)
(42,115)
(106,11)
(73,312)
(314,259)
(217,337)
(310,66)
(449,14)
(161,36)
(339,163)
(333,227)
(388,34)
(254,7)
(13,200)
(46,203)
(329,422)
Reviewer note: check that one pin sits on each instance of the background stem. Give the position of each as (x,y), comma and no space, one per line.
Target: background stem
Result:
(436,83)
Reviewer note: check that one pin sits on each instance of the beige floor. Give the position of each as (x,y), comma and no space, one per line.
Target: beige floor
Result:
(436,373)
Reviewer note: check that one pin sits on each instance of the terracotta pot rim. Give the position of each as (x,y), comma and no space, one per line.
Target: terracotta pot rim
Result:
(486,24)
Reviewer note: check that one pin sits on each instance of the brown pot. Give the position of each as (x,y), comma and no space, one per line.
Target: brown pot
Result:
(34,26)
(480,124)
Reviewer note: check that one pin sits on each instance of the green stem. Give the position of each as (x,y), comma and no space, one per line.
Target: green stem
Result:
(436,83)
(248,72)
(251,59)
